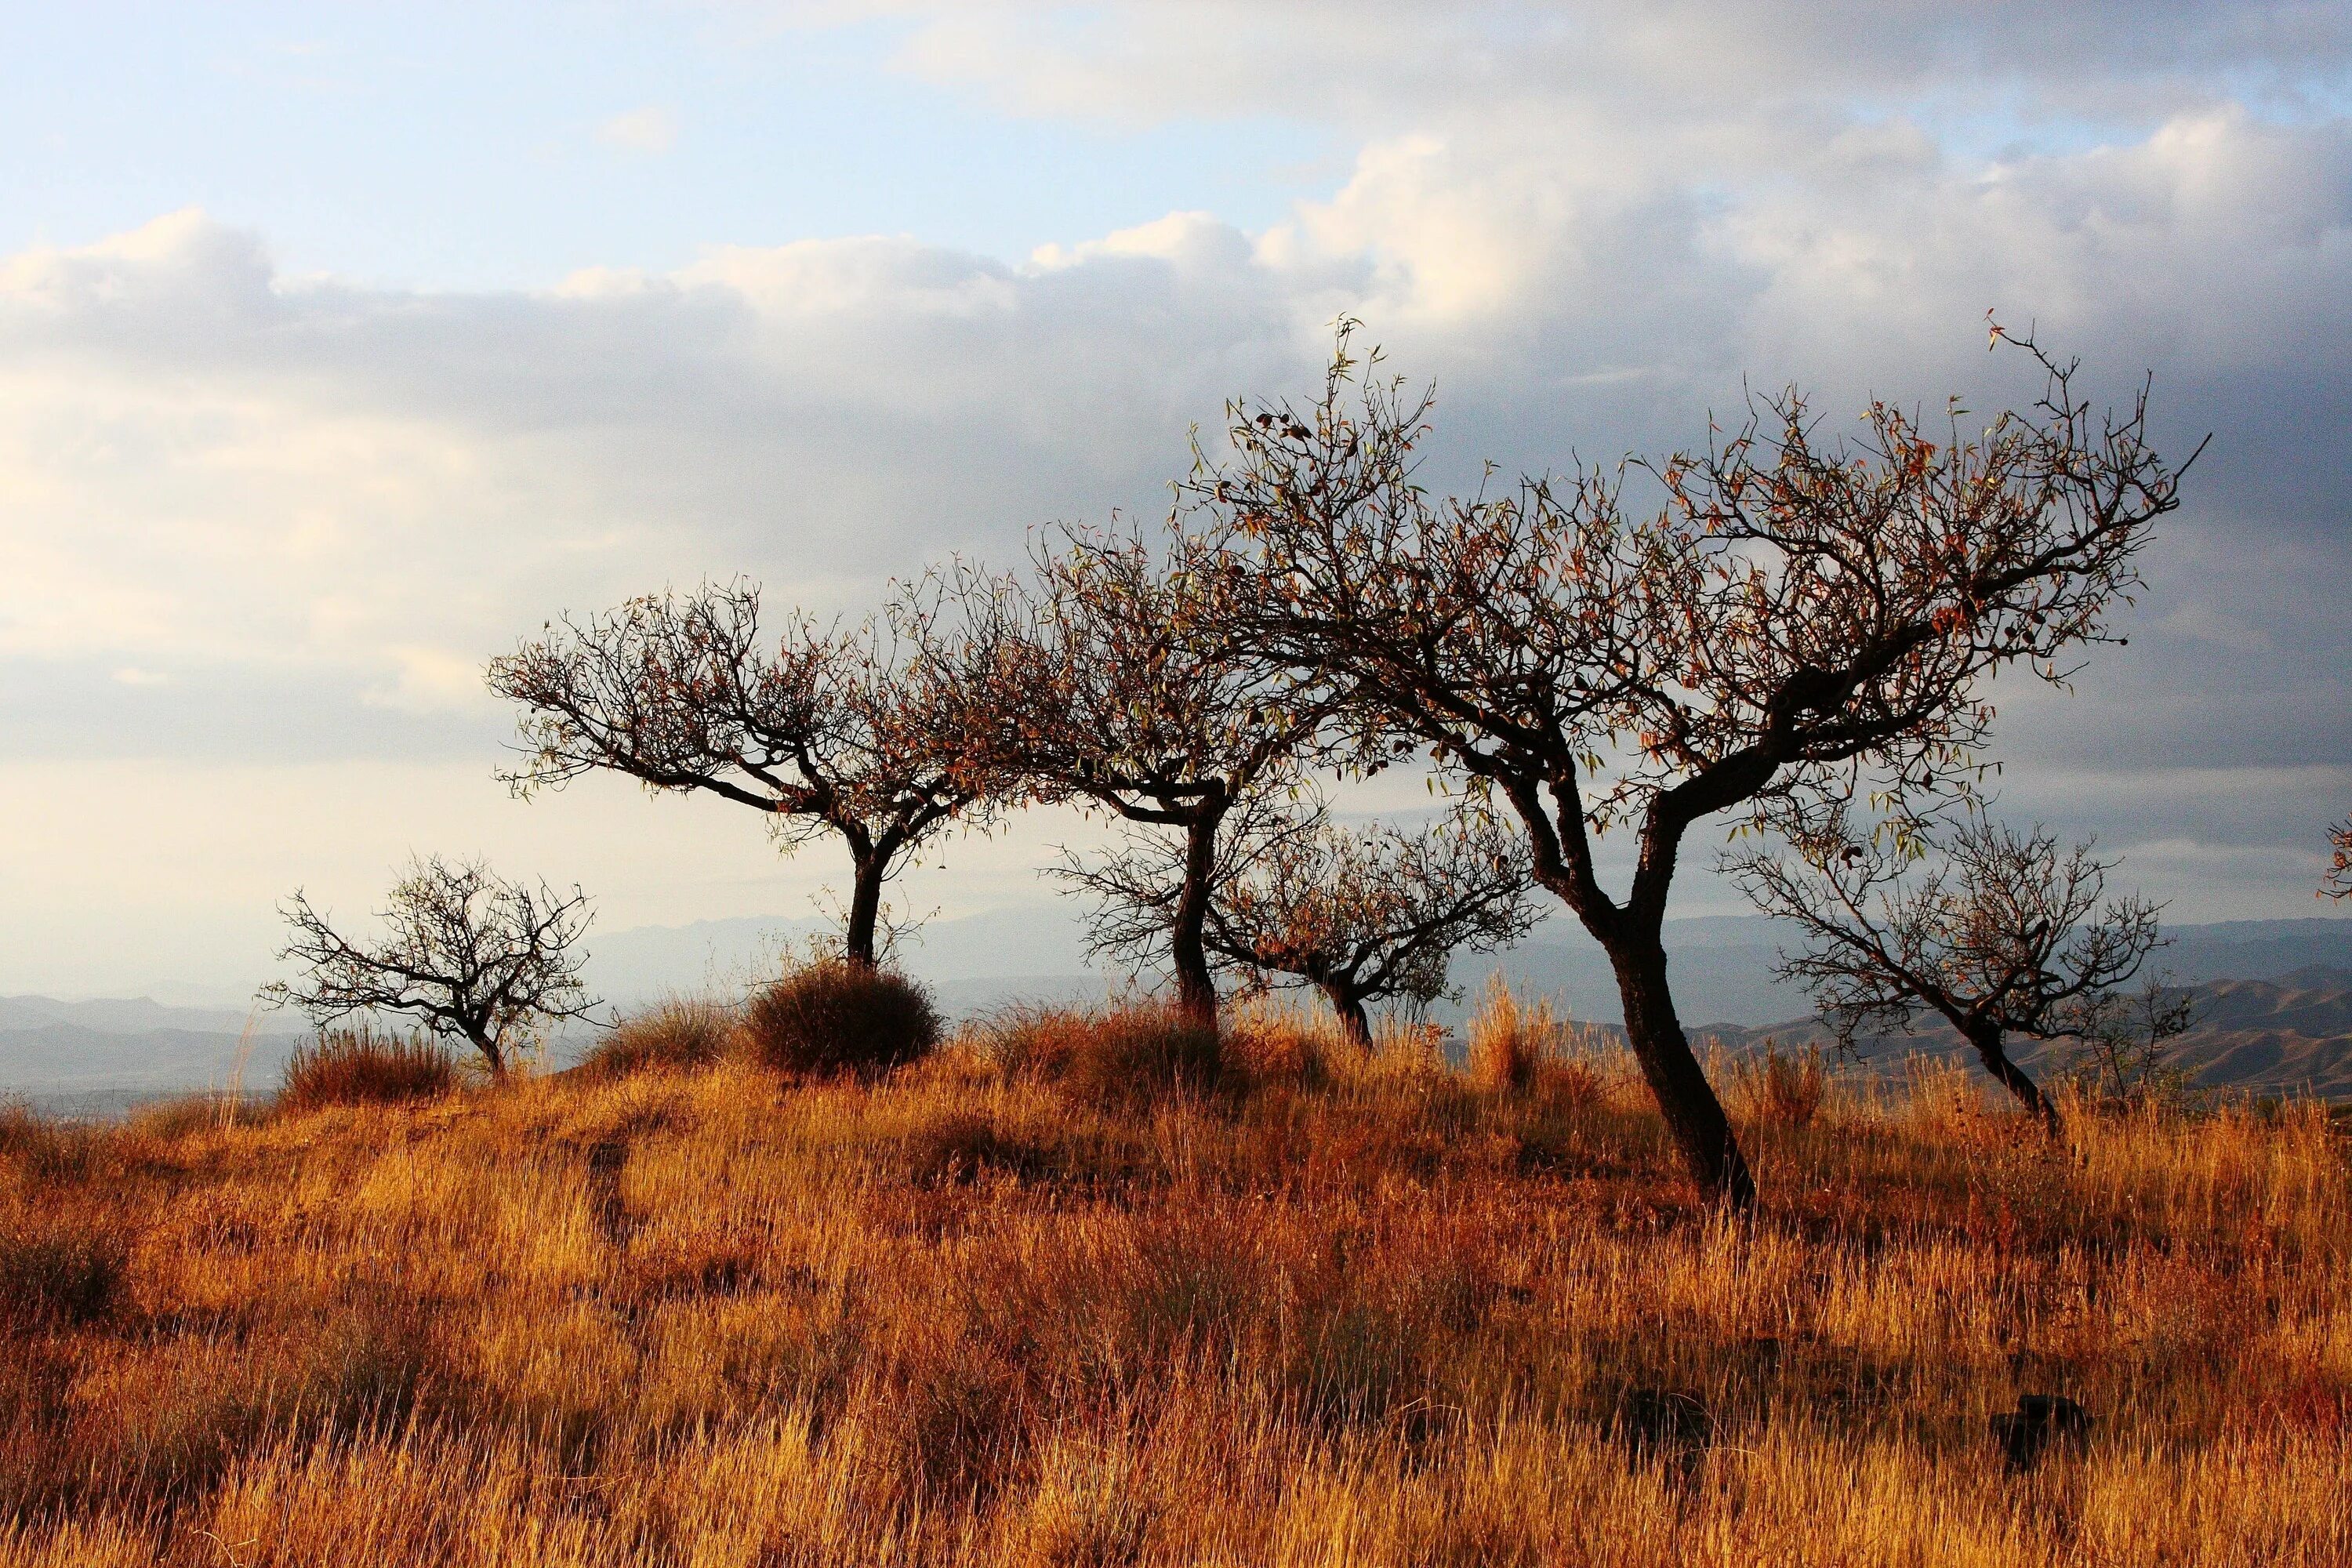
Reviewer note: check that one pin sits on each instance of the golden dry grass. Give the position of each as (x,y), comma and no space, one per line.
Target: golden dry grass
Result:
(1326,1311)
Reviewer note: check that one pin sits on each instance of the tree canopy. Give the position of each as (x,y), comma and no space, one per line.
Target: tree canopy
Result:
(1800,618)
(475,956)
(1361,914)
(1999,932)
(1130,698)
(849,732)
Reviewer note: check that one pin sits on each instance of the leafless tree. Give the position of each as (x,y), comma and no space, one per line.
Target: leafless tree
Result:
(2123,1040)
(2003,934)
(822,730)
(2337,884)
(1130,698)
(475,956)
(1360,915)
(1801,617)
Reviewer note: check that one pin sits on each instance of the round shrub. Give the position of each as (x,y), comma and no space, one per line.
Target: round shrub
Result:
(836,1017)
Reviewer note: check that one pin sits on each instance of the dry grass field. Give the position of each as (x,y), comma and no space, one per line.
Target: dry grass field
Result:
(1069,1293)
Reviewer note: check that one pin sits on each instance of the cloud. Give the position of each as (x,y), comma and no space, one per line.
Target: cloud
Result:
(305,511)
(650,129)
(1682,73)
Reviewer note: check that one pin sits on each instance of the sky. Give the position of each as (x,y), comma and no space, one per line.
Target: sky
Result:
(343,345)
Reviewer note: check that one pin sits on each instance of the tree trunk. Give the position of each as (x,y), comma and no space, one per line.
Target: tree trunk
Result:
(1694,1117)
(864,921)
(1346,1001)
(1188,952)
(488,1046)
(1991,1051)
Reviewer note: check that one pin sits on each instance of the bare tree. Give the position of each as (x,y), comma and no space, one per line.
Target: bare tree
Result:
(2337,883)
(1131,698)
(475,956)
(822,729)
(2123,1040)
(1798,619)
(2000,933)
(1361,915)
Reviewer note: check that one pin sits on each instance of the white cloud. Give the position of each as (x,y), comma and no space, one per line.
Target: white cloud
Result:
(315,506)
(650,129)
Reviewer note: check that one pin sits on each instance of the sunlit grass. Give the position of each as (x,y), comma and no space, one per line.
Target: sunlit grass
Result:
(1286,1303)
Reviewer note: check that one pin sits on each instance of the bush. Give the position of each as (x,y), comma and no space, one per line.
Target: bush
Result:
(835,1016)
(1129,1051)
(362,1065)
(682,1032)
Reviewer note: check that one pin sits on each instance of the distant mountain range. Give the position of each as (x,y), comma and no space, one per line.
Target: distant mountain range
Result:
(2274,997)
(2290,1035)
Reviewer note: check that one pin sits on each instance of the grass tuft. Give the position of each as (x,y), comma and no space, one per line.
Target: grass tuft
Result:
(1511,1041)
(364,1066)
(1780,1089)
(679,1033)
(1129,1053)
(59,1270)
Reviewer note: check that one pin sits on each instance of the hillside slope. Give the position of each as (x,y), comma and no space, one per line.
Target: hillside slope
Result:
(1326,1312)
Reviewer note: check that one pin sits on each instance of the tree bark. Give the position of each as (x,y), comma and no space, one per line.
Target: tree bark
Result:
(488,1046)
(1188,951)
(1348,1003)
(1693,1116)
(1992,1050)
(860,934)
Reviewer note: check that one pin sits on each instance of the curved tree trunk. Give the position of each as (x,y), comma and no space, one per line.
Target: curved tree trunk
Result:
(1348,1003)
(1693,1116)
(1992,1050)
(1188,951)
(488,1044)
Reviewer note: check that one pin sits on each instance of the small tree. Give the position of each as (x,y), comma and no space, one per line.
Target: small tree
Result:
(1361,915)
(2337,884)
(822,730)
(2123,1039)
(2000,933)
(1801,618)
(476,957)
(1131,698)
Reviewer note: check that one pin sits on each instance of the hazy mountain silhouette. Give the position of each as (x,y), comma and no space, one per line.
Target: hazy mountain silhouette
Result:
(2274,997)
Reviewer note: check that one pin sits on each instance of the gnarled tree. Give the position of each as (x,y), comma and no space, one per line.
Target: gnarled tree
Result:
(1130,698)
(822,731)
(1361,914)
(2000,933)
(1799,615)
(2337,884)
(476,957)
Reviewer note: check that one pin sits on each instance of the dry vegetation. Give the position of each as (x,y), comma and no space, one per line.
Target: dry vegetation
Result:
(1076,1291)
